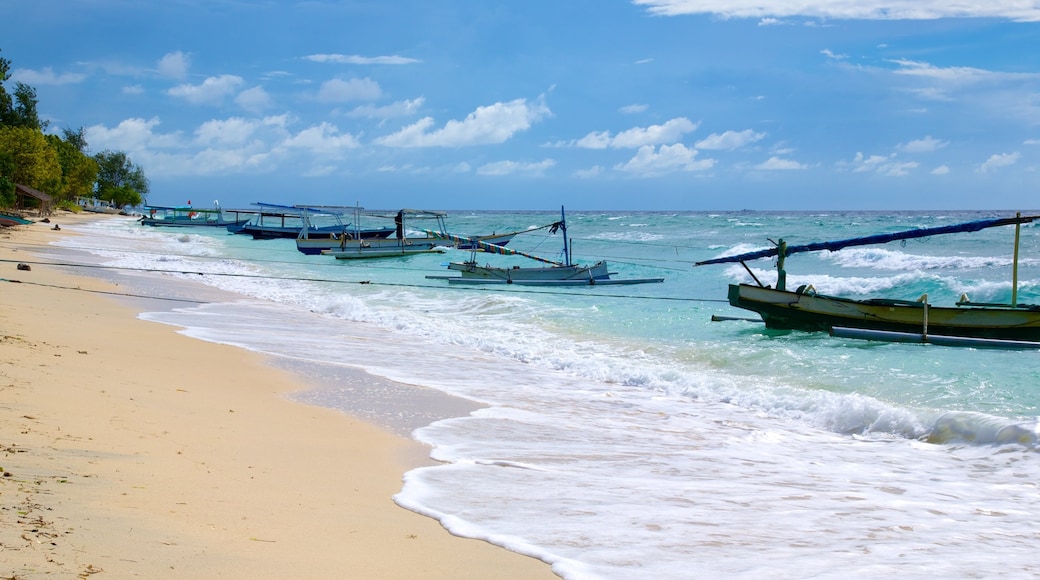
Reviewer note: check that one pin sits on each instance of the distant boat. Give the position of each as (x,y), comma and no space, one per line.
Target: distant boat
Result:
(564,273)
(188,216)
(969,323)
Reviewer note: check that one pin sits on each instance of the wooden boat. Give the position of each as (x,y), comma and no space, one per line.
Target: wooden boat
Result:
(275,221)
(188,216)
(967,323)
(357,248)
(7,220)
(565,273)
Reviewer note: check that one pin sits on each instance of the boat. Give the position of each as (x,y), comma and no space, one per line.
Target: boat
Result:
(7,219)
(554,273)
(398,245)
(188,216)
(275,221)
(966,323)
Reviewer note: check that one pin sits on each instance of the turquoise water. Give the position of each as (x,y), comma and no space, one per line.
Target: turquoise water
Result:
(625,434)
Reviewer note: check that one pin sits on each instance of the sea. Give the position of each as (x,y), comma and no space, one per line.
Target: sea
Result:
(618,432)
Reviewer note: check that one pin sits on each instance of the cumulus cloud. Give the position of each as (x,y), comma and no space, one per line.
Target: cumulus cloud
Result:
(46,76)
(636,137)
(730,140)
(941,170)
(134,134)
(883,165)
(341,91)
(485,126)
(650,161)
(254,100)
(926,145)
(174,65)
(516,168)
(212,90)
(998,161)
(844,10)
(779,164)
(355,59)
(233,131)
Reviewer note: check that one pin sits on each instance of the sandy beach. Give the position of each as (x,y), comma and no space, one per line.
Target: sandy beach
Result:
(129,450)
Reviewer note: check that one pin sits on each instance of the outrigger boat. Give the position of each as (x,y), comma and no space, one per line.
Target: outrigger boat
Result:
(975,324)
(188,216)
(275,221)
(565,273)
(398,245)
(316,243)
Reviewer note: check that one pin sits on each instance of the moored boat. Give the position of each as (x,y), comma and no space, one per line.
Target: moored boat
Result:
(188,216)
(979,324)
(554,273)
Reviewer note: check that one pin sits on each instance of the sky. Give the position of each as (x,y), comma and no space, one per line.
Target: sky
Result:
(593,104)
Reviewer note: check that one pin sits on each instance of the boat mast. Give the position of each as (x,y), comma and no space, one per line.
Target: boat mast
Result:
(1014,266)
(781,274)
(566,246)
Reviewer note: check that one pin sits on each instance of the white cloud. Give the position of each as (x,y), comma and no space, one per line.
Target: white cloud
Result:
(926,145)
(130,135)
(779,164)
(669,132)
(174,65)
(941,170)
(631,109)
(394,110)
(487,125)
(845,10)
(882,165)
(323,139)
(133,90)
(730,140)
(211,91)
(233,131)
(589,173)
(515,167)
(355,59)
(254,100)
(827,52)
(45,77)
(341,91)
(998,161)
(649,161)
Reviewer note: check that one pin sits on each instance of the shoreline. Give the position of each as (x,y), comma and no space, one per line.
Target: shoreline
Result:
(132,450)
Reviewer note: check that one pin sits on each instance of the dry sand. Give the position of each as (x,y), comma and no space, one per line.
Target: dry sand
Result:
(128,450)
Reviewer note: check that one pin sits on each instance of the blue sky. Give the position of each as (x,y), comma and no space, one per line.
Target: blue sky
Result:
(592,104)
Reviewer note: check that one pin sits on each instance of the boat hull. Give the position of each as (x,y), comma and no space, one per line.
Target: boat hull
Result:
(190,222)
(574,272)
(781,309)
(382,248)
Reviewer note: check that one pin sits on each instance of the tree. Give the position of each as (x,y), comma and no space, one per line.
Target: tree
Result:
(7,197)
(119,180)
(35,161)
(6,104)
(78,170)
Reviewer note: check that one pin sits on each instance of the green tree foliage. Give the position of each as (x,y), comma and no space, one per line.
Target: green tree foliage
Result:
(35,161)
(79,171)
(19,111)
(119,180)
(7,197)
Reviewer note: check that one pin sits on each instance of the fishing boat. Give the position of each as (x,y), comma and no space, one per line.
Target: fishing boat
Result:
(8,219)
(275,221)
(315,243)
(188,216)
(554,273)
(966,323)
(395,246)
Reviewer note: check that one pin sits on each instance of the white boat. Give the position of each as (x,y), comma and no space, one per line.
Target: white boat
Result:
(565,273)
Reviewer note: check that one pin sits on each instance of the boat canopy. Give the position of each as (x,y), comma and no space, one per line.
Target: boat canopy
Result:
(875,239)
